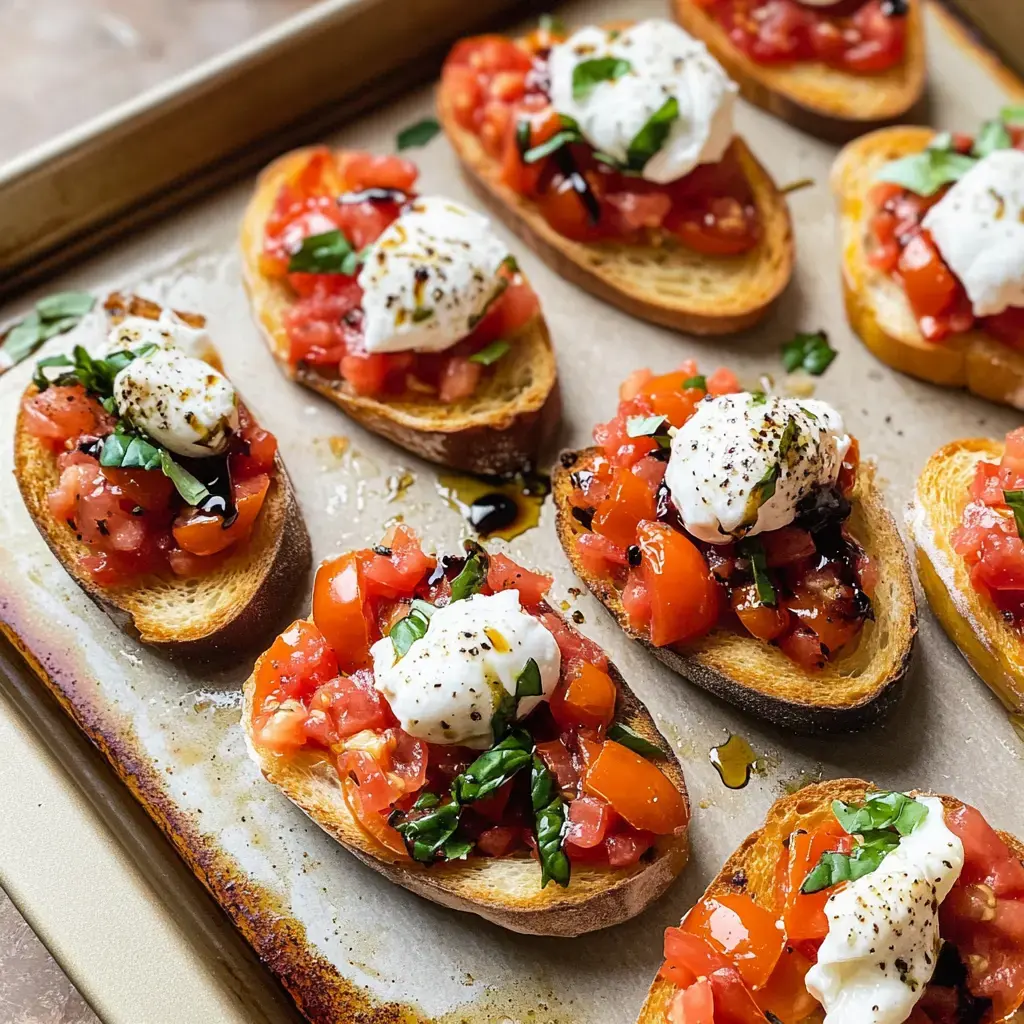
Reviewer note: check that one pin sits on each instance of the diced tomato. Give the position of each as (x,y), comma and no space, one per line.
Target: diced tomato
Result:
(586,700)
(558,760)
(694,1004)
(399,573)
(785,993)
(787,546)
(766,622)
(497,840)
(599,555)
(259,448)
(370,794)
(636,789)
(720,226)
(459,379)
(624,848)
(63,412)
(493,807)
(589,819)
(339,610)
(723,382)
(744,932)
(504,574)
(629,501)
(574,647)
(147,488)
(683,595)
(352,704)
(804,914)
(205,534)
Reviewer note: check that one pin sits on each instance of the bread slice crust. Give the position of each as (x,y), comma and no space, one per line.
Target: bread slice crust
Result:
(751,868)
(499,429)
(825,101)
(226,610)
(877,306)
(851,692)
(668,284)
(503,890)
(991,645)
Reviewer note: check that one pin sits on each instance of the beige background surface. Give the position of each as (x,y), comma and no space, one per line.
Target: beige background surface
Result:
(949,734)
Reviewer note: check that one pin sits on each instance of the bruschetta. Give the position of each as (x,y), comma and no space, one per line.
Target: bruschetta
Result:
(612,153)
(739,538)
(834,68)
(155,487)
(932,237)
(406,311)
(444,724)
(966,521)
(855,905)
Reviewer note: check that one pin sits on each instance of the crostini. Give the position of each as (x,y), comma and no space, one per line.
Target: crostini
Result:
(156,488)
(869,907)
(932,244)
(406,311)
(835,68)
(966,522)
(612,153)
(738,537)
(442,723)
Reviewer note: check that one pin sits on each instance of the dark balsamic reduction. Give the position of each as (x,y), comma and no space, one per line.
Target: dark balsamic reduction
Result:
(373,195)
(492,512)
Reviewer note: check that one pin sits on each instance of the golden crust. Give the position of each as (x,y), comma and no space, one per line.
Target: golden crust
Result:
(505,891)
(819,99)
(876,305)
(499,429)
(850,692)
(756,857)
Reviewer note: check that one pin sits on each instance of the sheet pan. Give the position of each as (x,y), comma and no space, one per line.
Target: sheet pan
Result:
(343,941)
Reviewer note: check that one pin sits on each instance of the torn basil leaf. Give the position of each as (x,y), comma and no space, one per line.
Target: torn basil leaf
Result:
(426,834)
(552,24)
(493,768)
(327,253)
(62,305)
(992,137)
(570,133)
(1012,114)
(926,172)
(942,141)
(753,550)
(406,631)
(1015,499)
(881,811)
(490,354)
(696,381)
(549,825)
(418,134)
(588,74)
(473,574)
(622,733)
(789,436)
(649,426)
(504,712)
(192,490)
(126,451)
(834,867)
(652,136)
(810,352)
(425,801)
(529,683)
(52,315)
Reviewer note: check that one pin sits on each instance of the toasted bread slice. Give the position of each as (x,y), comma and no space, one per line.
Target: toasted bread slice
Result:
(503,890)
(751,869)
(851,692)
(877,306)
(667,283)
(500,429)
(992,647)
(828,102)
(225,610)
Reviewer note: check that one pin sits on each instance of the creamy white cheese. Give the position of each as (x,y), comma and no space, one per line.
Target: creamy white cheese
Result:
(446,687)
(978,227)
(181,402)
(722,456)
(883,929)
(429,277)
(169,331)
(664,61)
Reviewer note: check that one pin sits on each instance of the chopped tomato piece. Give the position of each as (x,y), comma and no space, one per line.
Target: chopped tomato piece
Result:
(339,610)
(804,914)
(202,534)
(637,790)
(369,795)
(497,840)
(589,819)
(398,573)
(504,574)
(556,756)
(352,704)
(63,412)
(629,501)
(694,1004)
(625,848)
(683,594)
(588,699)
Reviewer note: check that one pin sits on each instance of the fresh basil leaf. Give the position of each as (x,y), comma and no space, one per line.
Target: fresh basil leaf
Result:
(421,313)
(425,801)
(942,142)
(65,305)
(127,451)
(493,768)
(926,172)
(643,426)
(752,549)
(490,354)
(588,74)
(557,141)
(528,683)
(418,134)
(1012,114)
(524,135)
(881,811)
(622,733)
(456,848)
(696,381)
(810,352)
(192,490)
(834,868)
(52,328)
(652,136)
(1015,499)
(406,631)
(39,378)
(552,24)
(325,253)
(549,825)
(764,489)
(426,834)
(758,398)
(22,340)
(789,436)
(992,137)
(504,713)
(473,574)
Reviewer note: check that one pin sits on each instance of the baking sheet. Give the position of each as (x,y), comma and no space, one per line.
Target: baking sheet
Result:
(340,937)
